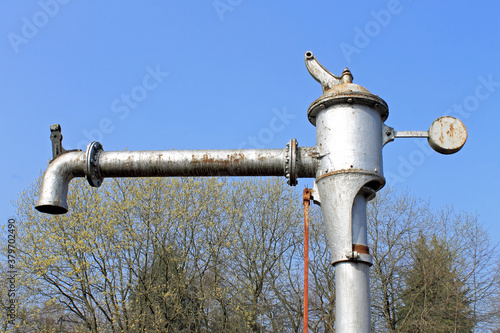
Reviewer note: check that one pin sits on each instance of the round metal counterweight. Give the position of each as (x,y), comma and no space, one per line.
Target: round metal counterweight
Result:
(447,135)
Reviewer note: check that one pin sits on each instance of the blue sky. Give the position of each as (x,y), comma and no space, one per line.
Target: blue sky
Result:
(227,74)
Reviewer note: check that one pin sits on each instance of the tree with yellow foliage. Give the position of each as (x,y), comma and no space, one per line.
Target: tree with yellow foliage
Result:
(218,255)
(168,254)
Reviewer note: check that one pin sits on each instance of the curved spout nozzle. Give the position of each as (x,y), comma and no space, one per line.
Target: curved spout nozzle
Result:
(324,76)
(54,189)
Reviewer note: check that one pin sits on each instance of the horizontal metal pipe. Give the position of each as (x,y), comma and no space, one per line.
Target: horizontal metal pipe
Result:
(169,163)
(263,162)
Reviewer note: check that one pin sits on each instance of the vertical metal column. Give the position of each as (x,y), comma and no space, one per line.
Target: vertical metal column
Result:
(349,124)
(350,135)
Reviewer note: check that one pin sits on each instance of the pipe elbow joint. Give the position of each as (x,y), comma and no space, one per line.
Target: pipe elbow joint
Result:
(55,183)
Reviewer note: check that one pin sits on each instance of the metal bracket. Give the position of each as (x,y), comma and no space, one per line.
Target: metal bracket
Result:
(56,138)
(92,158)
(411,134)
(291,162)
(315,194)
(387,134)
(447,135)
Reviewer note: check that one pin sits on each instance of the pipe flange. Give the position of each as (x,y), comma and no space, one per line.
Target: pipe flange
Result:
(92,158)
(291,162)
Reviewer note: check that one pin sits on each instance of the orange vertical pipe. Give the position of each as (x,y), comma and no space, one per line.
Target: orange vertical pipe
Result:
(306,200)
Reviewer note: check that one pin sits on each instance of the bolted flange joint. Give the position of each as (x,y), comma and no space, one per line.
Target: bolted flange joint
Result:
(92,158)
(291,162)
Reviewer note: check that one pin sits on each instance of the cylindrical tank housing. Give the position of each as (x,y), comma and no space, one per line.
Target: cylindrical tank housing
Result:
(349,124)
(349,136)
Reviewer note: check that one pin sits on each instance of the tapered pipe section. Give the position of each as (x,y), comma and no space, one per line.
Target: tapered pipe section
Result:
(170,163)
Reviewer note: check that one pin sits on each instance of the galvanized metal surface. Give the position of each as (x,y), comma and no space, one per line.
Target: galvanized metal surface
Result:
(54,189)
(349,138)
(338,195)
(352,298)
(170,163)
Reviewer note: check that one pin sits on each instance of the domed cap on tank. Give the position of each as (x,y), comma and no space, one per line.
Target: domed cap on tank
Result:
(339,90)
